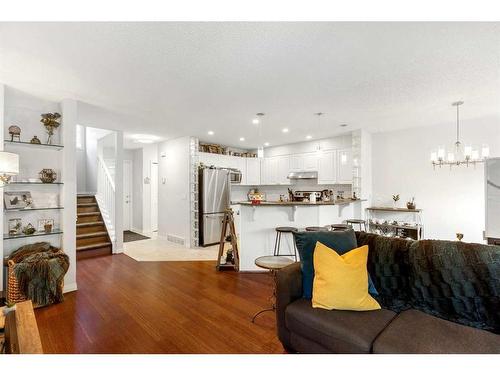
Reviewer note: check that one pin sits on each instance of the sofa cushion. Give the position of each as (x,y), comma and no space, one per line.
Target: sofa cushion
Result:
(342,241)
(341,281)
(336,330)
(413,331)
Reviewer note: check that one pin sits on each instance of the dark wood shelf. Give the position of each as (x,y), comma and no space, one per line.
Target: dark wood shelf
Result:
(392,209)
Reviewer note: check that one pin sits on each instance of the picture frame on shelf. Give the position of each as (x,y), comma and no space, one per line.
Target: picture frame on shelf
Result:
(45,222)
(15,226)
(17,200)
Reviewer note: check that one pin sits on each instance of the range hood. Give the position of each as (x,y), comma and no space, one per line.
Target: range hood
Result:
(306,175)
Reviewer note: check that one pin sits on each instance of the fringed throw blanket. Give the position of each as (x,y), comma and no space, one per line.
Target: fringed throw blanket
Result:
(39,269)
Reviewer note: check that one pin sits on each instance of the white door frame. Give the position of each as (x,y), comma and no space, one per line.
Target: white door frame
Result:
(154,228)
(131,194)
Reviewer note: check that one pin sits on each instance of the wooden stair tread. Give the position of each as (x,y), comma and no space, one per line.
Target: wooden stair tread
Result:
(85,195)
(90,235)
(90,224)
(86,204)
(89,213)
(93,246)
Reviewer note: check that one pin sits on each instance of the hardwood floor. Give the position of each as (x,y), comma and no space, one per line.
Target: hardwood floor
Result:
(125,306)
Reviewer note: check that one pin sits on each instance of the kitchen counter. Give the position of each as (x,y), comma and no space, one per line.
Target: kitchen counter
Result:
(255,224)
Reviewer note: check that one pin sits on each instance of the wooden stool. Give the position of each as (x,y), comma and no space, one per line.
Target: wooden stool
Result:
(340,226)
(316,229)
(277,242)
(360,222)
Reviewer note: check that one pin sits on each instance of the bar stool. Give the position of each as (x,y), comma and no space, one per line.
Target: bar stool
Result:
(360,222)
(340,226)
(316,229)
(277,242)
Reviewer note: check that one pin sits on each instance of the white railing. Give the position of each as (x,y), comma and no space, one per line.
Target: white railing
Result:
(106,197)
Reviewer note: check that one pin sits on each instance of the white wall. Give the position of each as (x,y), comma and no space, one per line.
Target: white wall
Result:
(452,200)
(342,141)
(174,204)
(137,187)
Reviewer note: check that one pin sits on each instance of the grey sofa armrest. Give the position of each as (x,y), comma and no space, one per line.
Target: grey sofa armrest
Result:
(288,289)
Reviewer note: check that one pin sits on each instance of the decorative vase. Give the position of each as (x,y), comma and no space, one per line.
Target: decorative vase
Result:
(35,140)
(48,228)
(47,175)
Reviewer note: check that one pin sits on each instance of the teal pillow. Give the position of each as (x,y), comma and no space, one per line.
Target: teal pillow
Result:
(342,241)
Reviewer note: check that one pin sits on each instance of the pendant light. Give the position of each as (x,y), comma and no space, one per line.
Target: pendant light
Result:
(458,154)
(318,147)
(258,120)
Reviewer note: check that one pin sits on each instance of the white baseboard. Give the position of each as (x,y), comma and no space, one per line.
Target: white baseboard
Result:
(70,288)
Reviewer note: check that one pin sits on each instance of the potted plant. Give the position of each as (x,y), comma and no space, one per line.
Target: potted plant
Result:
(9,306)
(395,198)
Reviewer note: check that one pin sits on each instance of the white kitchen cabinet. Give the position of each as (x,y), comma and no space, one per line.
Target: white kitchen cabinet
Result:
(253,171)
(327,167)
(310,161)
(269,171)
(344,166)
(283,169)
(304,162)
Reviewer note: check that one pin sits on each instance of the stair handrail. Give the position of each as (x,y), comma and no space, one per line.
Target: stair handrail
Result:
(106,197)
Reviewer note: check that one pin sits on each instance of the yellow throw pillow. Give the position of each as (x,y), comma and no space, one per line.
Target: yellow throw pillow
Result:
(341,281)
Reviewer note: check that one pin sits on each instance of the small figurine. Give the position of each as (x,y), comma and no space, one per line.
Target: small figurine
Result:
(35,140)
(15,132)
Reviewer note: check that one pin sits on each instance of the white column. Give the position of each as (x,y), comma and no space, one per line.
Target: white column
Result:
(68,192)
(118,245)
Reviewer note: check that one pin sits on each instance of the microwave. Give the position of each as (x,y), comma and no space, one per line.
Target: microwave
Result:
(235,176)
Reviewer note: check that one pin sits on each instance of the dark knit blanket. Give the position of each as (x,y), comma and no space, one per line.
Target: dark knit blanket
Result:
(39,269)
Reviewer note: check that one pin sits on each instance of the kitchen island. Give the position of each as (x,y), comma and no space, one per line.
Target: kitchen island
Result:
(255,224)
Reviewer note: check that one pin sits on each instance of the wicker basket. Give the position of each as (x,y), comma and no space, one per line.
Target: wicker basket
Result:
(14,293)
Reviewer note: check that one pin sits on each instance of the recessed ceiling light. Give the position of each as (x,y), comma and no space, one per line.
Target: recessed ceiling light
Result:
(309,136)
(255,121)
(343,125)
(210,132)
(266,144)
(242,139)
(146,141)
(284,130)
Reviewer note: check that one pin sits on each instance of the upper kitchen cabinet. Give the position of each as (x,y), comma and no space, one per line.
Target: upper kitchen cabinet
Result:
(283,170)
(344,166)
(275,170)
(304,162)
(253,171)
(327,167)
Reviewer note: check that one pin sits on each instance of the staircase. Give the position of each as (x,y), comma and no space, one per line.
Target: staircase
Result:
(92,238)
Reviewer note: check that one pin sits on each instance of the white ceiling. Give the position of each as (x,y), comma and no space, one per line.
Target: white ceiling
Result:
(188,78)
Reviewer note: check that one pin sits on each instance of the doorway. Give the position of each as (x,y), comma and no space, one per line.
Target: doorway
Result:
(127,194)
(154,196)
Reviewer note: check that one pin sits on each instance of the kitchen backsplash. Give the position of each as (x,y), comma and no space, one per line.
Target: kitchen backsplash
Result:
(273,192)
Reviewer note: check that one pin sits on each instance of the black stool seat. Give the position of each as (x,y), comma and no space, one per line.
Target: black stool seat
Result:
(286,229)
(316,229)
(340,226)
(360,222)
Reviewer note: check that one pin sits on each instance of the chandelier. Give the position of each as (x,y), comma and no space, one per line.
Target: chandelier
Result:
(459,154)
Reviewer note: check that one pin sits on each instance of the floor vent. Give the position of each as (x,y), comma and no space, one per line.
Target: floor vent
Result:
(175,239)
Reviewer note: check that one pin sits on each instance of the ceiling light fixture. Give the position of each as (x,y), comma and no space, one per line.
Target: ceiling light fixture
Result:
(255,121)
(210,132)
(266,144)
(242,139)
(459,154)
(309,136)
(284,130)
(145,141)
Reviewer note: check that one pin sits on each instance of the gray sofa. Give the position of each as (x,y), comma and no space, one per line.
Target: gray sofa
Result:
(437,297)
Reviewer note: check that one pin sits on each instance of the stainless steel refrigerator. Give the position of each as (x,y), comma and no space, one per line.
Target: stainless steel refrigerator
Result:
(214,200)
